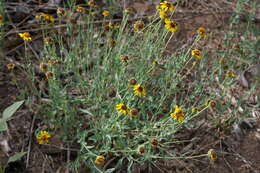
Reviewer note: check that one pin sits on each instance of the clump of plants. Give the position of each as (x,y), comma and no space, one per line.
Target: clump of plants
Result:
(112,88)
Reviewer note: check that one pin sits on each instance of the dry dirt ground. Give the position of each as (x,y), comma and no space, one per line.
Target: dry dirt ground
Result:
(237,153)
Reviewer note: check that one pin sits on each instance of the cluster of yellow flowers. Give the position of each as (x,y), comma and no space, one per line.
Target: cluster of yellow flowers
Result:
(123,108)
(91,3)
(140,91)
(166,9)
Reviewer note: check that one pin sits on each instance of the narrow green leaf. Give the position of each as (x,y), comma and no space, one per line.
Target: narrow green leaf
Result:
(86,111)
(110,170)
(16,157)
(9,111)
(3,125)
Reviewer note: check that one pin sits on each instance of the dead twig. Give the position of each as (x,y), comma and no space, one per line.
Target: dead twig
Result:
(30,142)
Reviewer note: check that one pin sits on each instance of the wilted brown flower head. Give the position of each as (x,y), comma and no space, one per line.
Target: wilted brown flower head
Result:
(132,82)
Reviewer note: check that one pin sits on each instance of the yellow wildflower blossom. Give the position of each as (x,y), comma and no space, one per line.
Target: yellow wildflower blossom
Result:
(202,32)
(230,74)
(105,13)
(122,108)
(138,26)
(154,143)
(166,6)
(53,61)
(164,14)
(43,67)
(26,36)
(212,155)
(172,26)
(112,43)
(194,63)
(43,137)
(49,75)
(141,150)
(196,53)
(10,66)
(61,12)
(129,10)
(139,90)
(91,3)
(178,114)
(46,17)
(100,160)
(124,59)
(80,9)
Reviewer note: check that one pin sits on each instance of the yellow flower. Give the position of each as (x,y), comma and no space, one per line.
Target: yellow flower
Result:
(10,66)
(80,9)
(196,53)
(212,155)
(202,32)
(109,26)
(53,61)
(129,10)
(124,59)
(1,19)
(155,63)
(138,26)
(43,137)
(49,74)
(178,114)
(141,150)
(61,12)
(166,6)
(105,13)
(91,3)
(112,43)
(100,160)
(139,90)
(172,26)
(43,67)
(46,17)
(230,74)
(122,108)
(164,14)
(154,143)
(26,36)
